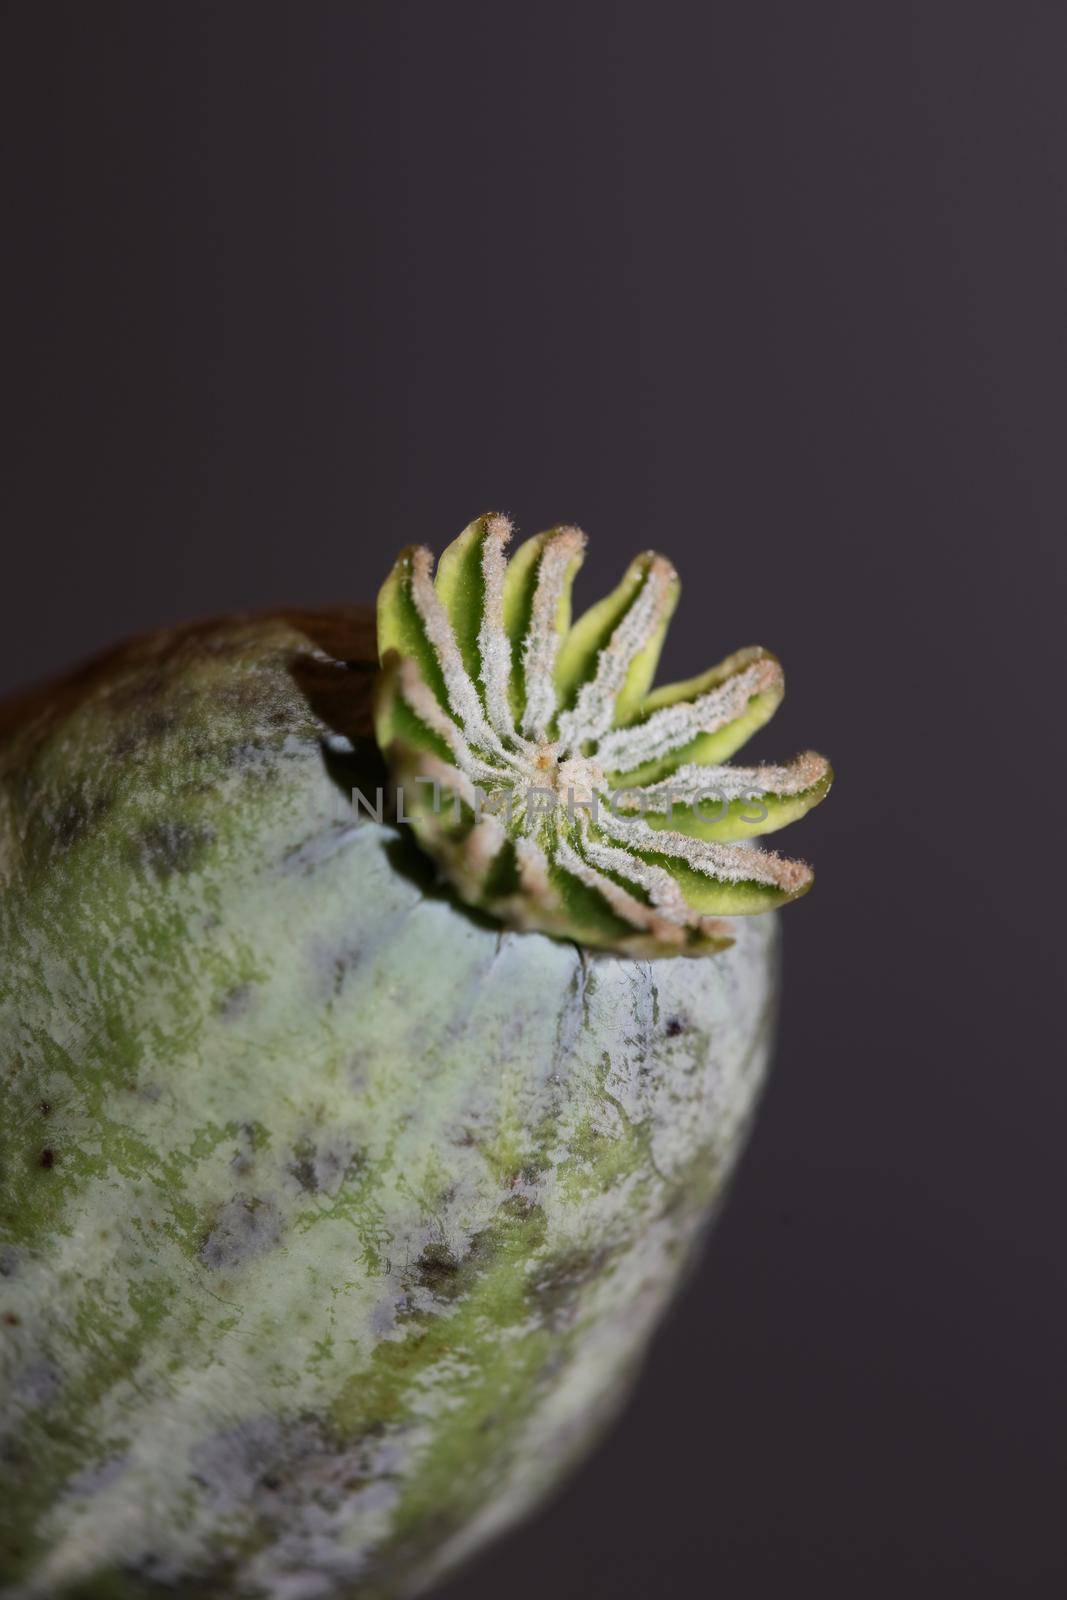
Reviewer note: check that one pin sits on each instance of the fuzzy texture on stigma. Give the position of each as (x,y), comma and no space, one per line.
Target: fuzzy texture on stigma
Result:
(552,785)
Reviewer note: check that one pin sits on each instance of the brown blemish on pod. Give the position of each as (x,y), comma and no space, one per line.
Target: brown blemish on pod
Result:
(235,1002)
(245,1227)
(75,817)
(556,1285)
(171,847)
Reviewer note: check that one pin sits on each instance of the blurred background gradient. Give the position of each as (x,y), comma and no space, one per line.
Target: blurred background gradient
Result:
(780,290)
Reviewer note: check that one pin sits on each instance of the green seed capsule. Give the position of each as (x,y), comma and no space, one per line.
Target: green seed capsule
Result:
(334,1217)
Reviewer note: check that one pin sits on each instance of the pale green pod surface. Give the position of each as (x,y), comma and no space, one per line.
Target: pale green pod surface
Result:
(335,1219)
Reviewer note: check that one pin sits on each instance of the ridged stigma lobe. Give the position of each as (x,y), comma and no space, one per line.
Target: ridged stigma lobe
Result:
(553,787)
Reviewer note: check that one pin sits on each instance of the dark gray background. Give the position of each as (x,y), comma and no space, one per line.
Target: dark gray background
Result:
(779,288)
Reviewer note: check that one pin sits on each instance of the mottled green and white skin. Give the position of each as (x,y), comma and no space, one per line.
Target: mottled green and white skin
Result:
(335,1216)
